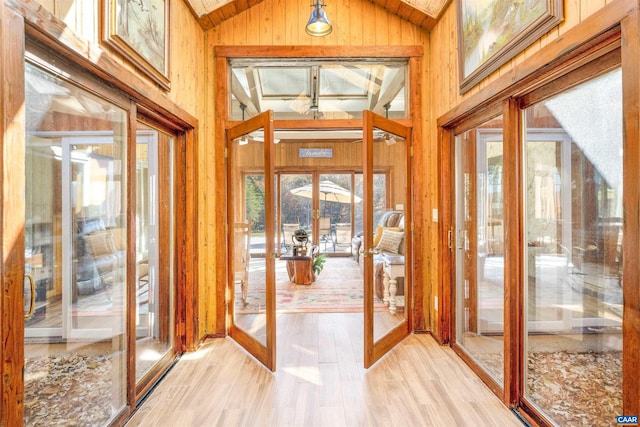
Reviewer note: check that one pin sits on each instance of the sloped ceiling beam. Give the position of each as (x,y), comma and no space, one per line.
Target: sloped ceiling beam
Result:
(423,13)
(242,97)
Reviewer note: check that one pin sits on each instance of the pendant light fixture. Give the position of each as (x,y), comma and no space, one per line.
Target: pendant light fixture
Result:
(318,24)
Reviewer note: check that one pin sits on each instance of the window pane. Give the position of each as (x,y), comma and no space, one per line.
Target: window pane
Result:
(317,89)
(154,249)
(75,354)
(573,223)
(480,246)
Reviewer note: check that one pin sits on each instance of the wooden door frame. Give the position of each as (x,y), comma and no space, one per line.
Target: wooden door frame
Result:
(590,40)
(21,20)
(222,55)
(12,130)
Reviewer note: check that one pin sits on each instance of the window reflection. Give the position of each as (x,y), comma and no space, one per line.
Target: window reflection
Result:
(573,161)
(480,243)
(75,246)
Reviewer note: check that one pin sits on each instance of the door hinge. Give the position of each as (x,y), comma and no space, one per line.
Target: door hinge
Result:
(226,152)
(449,239)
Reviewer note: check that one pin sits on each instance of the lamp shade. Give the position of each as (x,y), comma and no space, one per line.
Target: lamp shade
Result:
(318,24)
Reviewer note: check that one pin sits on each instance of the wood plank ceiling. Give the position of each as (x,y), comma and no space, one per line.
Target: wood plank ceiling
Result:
(423,13)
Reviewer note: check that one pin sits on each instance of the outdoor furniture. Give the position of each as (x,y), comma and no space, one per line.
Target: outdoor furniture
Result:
(287,234)
(325,232)
(342,235)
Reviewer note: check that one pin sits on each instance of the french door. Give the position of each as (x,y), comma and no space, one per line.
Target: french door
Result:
(252,252)
(390,258)
(322,204)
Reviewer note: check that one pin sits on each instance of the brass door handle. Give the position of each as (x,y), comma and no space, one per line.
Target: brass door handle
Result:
(32,305)
(374,251)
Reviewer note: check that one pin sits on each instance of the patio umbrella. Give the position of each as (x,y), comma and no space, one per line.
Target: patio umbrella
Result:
(329,192)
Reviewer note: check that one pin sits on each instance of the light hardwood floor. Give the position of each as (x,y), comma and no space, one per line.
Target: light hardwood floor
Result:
(320,381)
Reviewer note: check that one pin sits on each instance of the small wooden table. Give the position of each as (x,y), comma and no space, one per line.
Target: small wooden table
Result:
(300,269)
(393,269)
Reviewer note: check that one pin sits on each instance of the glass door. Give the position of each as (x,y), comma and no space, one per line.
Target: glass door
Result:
(252,224)
(75,349)
(479,247)
(154,279)
(387,241)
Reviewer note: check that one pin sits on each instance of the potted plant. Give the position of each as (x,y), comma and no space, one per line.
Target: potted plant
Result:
(318,263)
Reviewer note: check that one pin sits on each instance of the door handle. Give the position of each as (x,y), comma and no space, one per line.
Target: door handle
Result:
(32,305)
(374,251)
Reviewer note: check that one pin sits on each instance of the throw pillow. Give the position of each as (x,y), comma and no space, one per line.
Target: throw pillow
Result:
(390,241)
(100,243)
(379,230)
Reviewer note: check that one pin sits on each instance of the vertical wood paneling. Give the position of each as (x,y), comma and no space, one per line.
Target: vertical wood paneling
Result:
(368,19)
(293,21)
(241,28)
(356,23)
(382,26)
(278,17)
(12,171)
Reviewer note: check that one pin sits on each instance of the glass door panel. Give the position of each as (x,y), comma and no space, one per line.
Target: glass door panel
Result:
(74,345)
(336,200)
(387,242)
(154,250)
(479,246)
(296,212)
(251,205)
(573,236)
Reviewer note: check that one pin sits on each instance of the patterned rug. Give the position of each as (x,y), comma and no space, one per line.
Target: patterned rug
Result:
(338,289)
(309,301)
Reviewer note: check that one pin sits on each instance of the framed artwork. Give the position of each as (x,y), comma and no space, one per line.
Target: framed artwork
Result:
(491,32)
(139,30)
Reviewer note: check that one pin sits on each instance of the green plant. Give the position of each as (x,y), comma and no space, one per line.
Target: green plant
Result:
(318,263)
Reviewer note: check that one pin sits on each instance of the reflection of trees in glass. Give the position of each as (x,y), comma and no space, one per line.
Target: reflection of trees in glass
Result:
(294,209)
(255,201)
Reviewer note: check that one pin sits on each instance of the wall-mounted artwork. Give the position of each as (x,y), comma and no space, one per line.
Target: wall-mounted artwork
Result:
(491,32)
(139,30)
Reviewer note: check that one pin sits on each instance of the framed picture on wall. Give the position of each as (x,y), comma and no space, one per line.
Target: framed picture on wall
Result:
(139,30)
(491,32)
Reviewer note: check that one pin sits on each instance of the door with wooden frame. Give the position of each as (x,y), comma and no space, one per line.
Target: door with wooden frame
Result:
(251,236)
(387,238)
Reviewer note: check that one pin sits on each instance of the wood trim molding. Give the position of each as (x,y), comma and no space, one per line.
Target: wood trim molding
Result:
(514,242)
(220,196)
(446,278)
(12,214)
(631,226)
(354,52)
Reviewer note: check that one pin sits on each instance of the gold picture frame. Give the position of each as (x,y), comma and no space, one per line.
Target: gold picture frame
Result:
(491,33)
(139,30)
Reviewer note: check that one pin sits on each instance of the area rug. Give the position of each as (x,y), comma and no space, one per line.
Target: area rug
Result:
(309,301)
(338,289)
(67,390)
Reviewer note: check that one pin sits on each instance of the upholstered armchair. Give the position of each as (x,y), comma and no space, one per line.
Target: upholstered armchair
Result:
(388,238)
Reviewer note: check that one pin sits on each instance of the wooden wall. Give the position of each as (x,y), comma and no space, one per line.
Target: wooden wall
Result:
(186,47)
(275,23)
(443,63)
